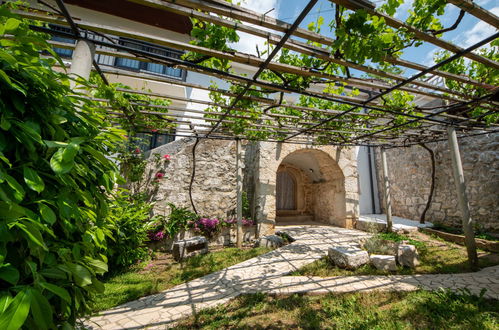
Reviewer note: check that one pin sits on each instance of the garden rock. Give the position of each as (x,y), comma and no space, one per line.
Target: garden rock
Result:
(189,247)
(407,255)
(383,262)
(349,257)
(271,241)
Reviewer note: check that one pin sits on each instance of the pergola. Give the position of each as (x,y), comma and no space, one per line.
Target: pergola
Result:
(371,122)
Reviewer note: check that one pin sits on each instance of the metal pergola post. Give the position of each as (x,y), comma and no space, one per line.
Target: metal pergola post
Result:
(239,193)
(386,184)
(462,199)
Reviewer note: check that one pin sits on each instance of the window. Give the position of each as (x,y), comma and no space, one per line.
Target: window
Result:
(149,67)
(153,140)
(62,52)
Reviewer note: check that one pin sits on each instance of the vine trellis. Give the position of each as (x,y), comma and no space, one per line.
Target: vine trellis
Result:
(333,107)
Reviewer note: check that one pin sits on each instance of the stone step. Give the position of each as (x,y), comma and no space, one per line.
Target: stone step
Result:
(295,218)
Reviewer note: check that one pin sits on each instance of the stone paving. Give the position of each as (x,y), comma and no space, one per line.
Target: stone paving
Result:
(266,273)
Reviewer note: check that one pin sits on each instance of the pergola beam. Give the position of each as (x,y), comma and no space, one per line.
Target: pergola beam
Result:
(299,46)
(477,11)
(424,36)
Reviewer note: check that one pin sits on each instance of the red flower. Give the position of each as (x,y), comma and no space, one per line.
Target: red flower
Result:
(137,151)
(154,130)
(160,175)
(167,157)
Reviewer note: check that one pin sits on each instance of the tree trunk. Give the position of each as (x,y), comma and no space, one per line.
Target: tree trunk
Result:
(432,187)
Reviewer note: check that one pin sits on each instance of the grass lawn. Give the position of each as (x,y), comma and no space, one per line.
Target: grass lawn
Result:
(436,256)
(368,310)
(163,273)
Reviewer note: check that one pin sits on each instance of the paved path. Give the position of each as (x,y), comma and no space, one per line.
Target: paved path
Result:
(265,273)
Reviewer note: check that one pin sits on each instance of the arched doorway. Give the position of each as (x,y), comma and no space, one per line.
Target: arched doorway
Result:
(310,187)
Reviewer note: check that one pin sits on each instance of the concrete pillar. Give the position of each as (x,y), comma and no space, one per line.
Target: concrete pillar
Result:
(81,62)
(386,182)
(462,198)
(239,197)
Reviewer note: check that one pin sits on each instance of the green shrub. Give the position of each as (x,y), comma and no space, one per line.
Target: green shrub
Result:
(180,218)
(128,225)
(54,175)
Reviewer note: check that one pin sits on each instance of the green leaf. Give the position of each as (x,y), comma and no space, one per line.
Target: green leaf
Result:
(57,290)
(11,25)
(18,189)
(17,311)
(41,310)
(81,275)
(4,123)
(11,211)
(33,180)
(9,274)
(32,233)
(5,300)
(70,152)
(55,144)
(100,267)
(47,214)
(57,163)
(53,273)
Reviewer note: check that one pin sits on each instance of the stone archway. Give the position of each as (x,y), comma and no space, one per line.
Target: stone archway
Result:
(326,179)
(310,186)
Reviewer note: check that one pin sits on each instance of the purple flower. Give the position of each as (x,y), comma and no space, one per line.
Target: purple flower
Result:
(156,236)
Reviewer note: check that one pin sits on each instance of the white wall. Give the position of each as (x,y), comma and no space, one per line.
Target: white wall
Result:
(366,190)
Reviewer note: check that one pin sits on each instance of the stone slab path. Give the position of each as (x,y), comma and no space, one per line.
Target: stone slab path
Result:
(266,273)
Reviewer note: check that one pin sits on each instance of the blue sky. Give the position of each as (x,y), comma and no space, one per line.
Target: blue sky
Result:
(470,30)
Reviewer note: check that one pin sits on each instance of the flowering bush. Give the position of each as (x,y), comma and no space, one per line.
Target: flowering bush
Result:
(207,226)
(156,235)
(233,222)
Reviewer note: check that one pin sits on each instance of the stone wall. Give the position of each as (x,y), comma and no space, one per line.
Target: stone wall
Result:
(335,198)
(410,175)
(214,186)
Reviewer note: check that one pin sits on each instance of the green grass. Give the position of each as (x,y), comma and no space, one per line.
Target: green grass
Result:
(367,310)
(148,279)
(441,258)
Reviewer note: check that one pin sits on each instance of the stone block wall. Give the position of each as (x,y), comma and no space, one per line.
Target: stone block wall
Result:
(214,186)
(410,175)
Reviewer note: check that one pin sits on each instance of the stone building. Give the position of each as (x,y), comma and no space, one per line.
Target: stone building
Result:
(285,183)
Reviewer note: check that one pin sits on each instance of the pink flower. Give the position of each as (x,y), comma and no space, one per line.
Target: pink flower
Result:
(166,157)
(154,130)
(160,175)
(137,151)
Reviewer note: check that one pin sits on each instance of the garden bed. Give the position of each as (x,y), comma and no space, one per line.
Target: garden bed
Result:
(436,257)
(226,237)
(484,244)
(163,272)
(366,310)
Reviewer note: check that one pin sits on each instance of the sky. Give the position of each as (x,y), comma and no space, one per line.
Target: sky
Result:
(470,31)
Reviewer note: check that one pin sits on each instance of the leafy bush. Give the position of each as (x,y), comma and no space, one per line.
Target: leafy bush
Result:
(54,175)
(128,225)
(180,218)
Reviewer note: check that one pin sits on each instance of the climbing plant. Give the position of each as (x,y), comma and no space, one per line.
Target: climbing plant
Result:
(55,173)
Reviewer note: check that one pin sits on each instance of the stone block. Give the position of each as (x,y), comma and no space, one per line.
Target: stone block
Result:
(383,262)
(407,255)
(370,226)
(270,241)
(349,257)
(188,247)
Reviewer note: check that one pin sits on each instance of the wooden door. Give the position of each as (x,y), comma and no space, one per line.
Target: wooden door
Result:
(285,191)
